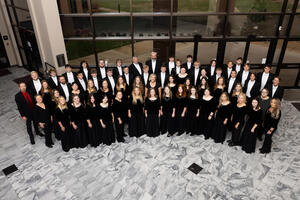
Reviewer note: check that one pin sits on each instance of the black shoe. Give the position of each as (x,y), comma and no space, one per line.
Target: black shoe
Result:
(50,146)
(32,142)
(40,134)
(259,138)
(231,144)
(169,135)
(229,141)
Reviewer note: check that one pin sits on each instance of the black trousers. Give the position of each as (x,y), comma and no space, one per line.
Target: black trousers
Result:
(29,129)
(236,134)
(119,130)
(47,130)
(267,145)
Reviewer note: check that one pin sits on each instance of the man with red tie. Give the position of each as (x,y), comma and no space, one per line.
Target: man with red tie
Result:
(25,103)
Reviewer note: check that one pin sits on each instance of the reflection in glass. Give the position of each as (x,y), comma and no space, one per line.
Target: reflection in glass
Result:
(80,50)
(110,6)
(258,5)
(151,26)
(206,52)
(196,6)
(257,51)
(295,30)
(73,6)
(76,26)
(112,26)
(292,52)
(183,49)
(233,50)
(24,19)
(203,25)
(151,5)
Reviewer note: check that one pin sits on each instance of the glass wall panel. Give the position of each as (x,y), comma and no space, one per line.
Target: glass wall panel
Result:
(151,26)
(292,52)
(76,26)
(73,6)
(143,49)
(257,5)
(257,52)
(197,6)
(288,77)
(204,25)
(295,30)
(206,52)
(78,50)
(24,19)
(183,49)
(234,50)
(151,5)
(259,25)
(112,26)
(277,51)
(21,3)
(110,6)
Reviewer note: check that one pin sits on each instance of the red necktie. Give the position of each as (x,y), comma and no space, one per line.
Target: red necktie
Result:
(28,99)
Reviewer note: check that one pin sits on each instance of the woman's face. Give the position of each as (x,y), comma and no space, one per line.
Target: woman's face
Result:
(56,94)
(121,80)
(91,84)
(152,93)
(223,97)
(203,72)
(180,89)
(84,65)
(221,81)
(105,99)
(193,91)
(104,84)
(39,99)
(45,85)
(119,95)
(136,91)
(62,100)
(203,81)
(238,88)
(187,82)
(273,103)
(92,99)
(254,103)
(264,93)
(182,70)
(137,80)
(206,92)
(75,86)
(152,78)
(241,99)
(76,99)
(171,79)
(167,90)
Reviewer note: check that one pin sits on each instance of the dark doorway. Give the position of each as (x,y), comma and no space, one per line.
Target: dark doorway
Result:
(4,63)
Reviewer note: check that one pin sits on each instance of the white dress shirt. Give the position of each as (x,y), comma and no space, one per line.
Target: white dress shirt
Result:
(177,69)
(153,65)
(217,77)
(244,77)
(196,75)
(82,83)
(96,82)
(37,85)
(229,70)
(146,75)
(102,72)
(189,65)
(112,83)
(127,78)
(237,68)
(230,85)
(54,78)
(66,91)
(264,80)
(138,67)
(212,70)
(162,78)
(71,78)
(86,73)
(120,70)
(249,87)
(274,88)
(171,66)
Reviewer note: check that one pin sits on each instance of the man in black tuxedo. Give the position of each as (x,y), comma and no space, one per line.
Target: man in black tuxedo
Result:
(96,79)
(25,102)
(85,70)
(189,63)
(35,83)
(154,64)
(275,90)
(69,75)
(231,82)
(136,67)
(81,82)
(163,76)
(244,75)
(211,70)
(128,77)
(213,80)
(195,74)
(265,78)
(64,88)
(53,79)
(118,70)
(176,69)
(101,70)
(251,88)
(238,67)
(111,80)
(227,71)
(170,65)
(146,75)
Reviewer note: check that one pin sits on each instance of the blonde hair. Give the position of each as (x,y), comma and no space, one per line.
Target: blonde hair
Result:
(234,91)
(170,92)
(276,112)
(220,99)
(135,97)
(93,89)
(141,85)
(59,105)
(244,96)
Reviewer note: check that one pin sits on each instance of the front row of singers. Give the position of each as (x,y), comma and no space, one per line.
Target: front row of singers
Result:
(98,117)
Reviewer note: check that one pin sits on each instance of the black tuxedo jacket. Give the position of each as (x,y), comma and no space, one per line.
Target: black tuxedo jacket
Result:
(99,81)
(174,71)
(62,93)
(269,81)
(208,69)
(109,84)
(166,80)
(240,75)
(192,77)
(212,80)
(225,73)
(52,83)
(186,67)
(130,79)
(157,67)
(116,73)
(134,71)
(241,70)
(233,86)
(31,87)
(80,86)
(145,82)
(66,77)
(23,107)
(168,68)
(254,92)
(278,93)
(84,77)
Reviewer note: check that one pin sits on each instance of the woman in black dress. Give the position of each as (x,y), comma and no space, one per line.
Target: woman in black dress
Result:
(192,112)
(264,102)
(46,93)
(78,122)
(187,86)
(41,116)
(136,114)
(180,110)
(202,87)
(252,126)
(152,113)
(105,91)
(167,112)
(270,124)
(219,88)
(77,91)
(203,74)
(137,82)
(172,85)
(53,104)
(90,89)
(106,121)
(124,88)
(62,115)
(92,118)
(238,119)
(207,109)
(180,78)
(238,89)
(120,111)
(222,115)
(153,84)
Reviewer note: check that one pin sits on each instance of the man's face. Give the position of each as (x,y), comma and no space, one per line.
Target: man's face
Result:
(126,70)
(135,60)
(145,69)
(171,59)
(109,73)
(80,76)
(276,81)
(267,70)
(34,76)
(68,69)
(53,74)
(163,69)
(233,74)
(94,75)
(246,68)
(119,63)
(22,87)
(189,59)
(239,61)
(153,55)
(62,80)
(101,63)
(230,65)
(197,66)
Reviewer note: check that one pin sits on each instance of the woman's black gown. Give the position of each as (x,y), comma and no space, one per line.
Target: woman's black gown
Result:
(55,126)
(120,110)
(166,120)
(108,133)
(219,128)
(137,120)
(180,80)
(174,90)
(217,94)
(94,133)
(78,116)
(201,93)
(238,116)
(152,119)
(205,125)
(41,115)
(63,116)
(269,122)
(180,104)
(156,87)
(248,138)
(101,93)
(192,125)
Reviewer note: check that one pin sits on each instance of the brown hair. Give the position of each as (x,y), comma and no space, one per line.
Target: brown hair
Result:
(183,91)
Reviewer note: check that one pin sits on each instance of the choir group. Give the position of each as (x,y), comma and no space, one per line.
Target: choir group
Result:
(93,105)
